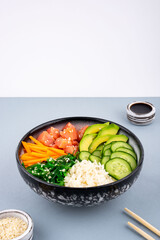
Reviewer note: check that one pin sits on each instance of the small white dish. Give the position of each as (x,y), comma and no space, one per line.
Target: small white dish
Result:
(141,113)
(28,234)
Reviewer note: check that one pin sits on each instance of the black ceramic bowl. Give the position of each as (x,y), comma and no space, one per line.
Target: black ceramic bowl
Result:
(80,196)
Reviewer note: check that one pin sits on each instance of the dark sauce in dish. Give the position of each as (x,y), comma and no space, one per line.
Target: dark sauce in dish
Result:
(141,108)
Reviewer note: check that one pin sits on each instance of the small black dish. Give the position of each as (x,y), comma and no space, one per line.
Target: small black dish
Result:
(141,113)
(88,196)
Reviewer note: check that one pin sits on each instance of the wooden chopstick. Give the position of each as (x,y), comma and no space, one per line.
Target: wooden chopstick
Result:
(140,231)
(143,222)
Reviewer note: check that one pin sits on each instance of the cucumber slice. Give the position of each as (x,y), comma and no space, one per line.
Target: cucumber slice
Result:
(86,141)
(119,144)
(84,155)
(114,138)
(93,158)
(95,128)
(107,152)
(97,153)
(100,147)
(122,149)
(107,146)
(97,141)
(104,160)
(112,129)
(125,156)
(118,168)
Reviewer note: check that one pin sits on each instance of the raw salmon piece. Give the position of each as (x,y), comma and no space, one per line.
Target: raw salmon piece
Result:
(63,142)
(71,149)
(70,132)
(54,132)
(46,139)
(81,132)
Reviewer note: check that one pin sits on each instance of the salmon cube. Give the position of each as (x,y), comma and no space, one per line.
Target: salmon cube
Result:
(54,132)
(69,131)
(46,139)
(63,142)
(81,132)
(71,149)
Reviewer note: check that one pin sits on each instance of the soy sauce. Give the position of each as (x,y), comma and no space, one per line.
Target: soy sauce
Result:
(141,108)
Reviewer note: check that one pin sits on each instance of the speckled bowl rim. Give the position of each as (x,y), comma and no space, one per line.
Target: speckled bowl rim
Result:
(30,226)
(87,119)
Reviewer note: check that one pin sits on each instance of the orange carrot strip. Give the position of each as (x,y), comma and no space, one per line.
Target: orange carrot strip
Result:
(45,147)
(38,154)
(43,154)
(53,155)
(38,151)
(36,141)
(36,147)
(36,160)
(57,151)
(31,162)
(33,158)
(25,154)
(50,153)
(25,145)
(26,157)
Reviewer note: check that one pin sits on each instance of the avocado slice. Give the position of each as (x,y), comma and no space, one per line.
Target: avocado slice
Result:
(100,147)
(95,128)
(86,141)
(115,138)
(112,129)
(97,141)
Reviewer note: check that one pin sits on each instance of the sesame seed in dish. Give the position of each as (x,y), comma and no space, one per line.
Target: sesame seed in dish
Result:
(11,227)
(87,174)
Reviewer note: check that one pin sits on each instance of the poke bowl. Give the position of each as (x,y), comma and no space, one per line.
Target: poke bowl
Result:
(113,152)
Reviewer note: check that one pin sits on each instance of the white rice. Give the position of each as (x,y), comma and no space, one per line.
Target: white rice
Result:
(87,174)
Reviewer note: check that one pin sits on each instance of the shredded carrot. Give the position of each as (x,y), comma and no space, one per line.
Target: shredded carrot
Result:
(26,147)
(43,148)
(60,151)
(37,152)
(36,141)
(34,160)
(26,158)
(35,147)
